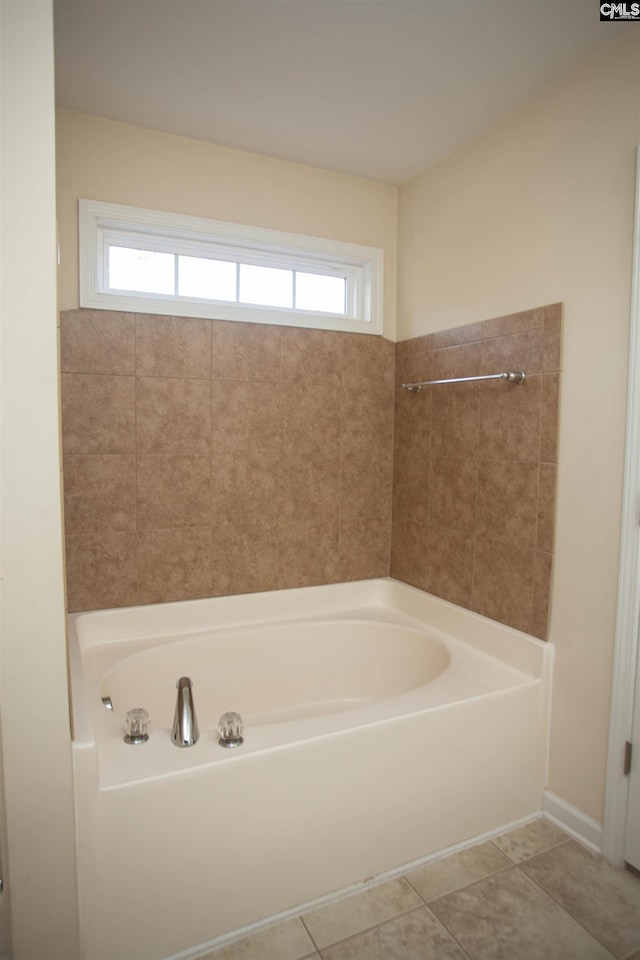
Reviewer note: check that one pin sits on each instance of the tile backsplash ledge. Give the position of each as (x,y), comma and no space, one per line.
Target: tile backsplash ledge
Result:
(205,457)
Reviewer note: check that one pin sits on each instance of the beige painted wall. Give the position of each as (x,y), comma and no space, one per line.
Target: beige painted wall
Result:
(36,745)
(539,210)
(100,159)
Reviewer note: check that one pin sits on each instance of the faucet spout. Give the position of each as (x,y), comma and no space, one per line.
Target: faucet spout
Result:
(185,725)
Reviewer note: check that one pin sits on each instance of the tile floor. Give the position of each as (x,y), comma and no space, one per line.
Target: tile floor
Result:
(532,893)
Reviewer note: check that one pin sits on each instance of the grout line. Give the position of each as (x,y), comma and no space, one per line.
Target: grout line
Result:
(471,883)
(564,909)
(373,926)
(451,934)
(540,853)
(309,934)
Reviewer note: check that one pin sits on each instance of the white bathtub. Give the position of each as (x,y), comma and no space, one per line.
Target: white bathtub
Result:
(381,725)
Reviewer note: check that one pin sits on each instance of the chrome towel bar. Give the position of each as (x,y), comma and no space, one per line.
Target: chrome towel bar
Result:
(511,376)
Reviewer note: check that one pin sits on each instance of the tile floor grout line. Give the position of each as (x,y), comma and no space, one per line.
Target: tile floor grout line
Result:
(464,886)
(451,934)
(310,935)
(568,912)
(541,853)
(374,926)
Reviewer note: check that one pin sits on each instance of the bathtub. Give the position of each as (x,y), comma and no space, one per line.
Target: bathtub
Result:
(382,725)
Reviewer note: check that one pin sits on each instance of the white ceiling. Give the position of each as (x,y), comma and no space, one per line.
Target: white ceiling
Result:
(376,88)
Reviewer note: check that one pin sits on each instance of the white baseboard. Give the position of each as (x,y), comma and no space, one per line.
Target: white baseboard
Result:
(584,828)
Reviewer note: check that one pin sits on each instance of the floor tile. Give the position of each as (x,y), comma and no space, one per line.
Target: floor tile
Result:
(352,914)
(532,838)
(444,876)
(508,917)
(287,940)
(604,899)
(414,936)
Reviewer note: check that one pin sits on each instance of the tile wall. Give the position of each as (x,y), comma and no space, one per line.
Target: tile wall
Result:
(475,467)
(205,457)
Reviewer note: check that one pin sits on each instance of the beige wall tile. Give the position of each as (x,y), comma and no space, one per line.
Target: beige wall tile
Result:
(413,366)
(549,418)
(270,466)
(98,413)
(519,351)
(173,416)
(409,552)
(468,333)
(367,413)
(510,420)
(411,500)
(99,493)
(100,570)
(365,547)
(412,435)
(245,351)
(309,552)
(552,360)
(310,418)
(174,564)
(309,486)
(507,501)
(548,481)
(542,580)
(368,359)
(459,361)
(173,491)
(408,348)
(453,493)
(503,582)
(245,556)
(366,484)
(97,341)
(173,347)
(313,356)
(513,323)
(456,420)
(245,487)
(245,416)
(546,525)
(449,564)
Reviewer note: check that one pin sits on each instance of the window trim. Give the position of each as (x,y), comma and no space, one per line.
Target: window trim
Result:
(101,222)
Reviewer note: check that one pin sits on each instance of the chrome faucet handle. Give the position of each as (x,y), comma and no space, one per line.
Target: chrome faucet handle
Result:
(135,725)
(230,729)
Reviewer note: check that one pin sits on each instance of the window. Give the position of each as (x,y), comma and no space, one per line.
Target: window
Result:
(154,262)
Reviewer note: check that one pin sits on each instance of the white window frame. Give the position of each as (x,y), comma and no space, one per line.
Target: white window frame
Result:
(103,223)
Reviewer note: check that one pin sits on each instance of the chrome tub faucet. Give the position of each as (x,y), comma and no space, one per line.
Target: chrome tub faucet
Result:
(185,725)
